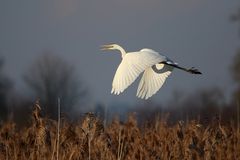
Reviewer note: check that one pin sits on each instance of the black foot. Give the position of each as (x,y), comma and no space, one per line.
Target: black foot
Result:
(194,71)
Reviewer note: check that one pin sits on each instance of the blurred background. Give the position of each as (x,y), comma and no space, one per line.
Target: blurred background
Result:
(50,49)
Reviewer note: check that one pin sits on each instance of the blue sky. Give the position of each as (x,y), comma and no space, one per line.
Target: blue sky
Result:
(191,32)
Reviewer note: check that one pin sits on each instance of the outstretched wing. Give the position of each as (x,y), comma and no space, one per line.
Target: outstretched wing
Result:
(152,80)
(131,66)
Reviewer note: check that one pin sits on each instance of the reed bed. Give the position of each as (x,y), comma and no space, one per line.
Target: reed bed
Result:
(89,139)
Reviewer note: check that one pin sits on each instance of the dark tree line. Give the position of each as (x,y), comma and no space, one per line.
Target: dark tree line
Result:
(5,87)
(51,78)
(235,67)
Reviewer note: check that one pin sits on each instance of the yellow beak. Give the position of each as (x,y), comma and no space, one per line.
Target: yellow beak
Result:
(106,47)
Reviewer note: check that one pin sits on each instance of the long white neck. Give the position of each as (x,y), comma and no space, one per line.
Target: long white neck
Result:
(123,52)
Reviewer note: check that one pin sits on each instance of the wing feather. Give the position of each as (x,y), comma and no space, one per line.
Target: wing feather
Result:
(132,65)
(151,81)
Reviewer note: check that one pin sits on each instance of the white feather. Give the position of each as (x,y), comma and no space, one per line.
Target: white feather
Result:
(132,65)
(151,81)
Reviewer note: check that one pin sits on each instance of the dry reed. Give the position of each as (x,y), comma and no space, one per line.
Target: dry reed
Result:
(88,139)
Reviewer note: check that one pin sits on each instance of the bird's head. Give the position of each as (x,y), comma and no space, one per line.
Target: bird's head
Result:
(110,47)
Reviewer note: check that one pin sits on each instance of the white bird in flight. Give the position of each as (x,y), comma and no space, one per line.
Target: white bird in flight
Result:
(156,69)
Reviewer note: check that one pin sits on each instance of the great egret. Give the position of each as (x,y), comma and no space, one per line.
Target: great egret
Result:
(156,69)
